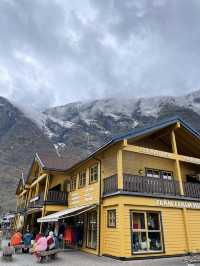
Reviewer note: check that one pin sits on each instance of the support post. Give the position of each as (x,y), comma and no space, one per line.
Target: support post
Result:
(120,169)
(178,171)
(177,162)
(45,198)
(37,188)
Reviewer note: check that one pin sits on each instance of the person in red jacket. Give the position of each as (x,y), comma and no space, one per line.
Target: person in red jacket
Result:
(16,239)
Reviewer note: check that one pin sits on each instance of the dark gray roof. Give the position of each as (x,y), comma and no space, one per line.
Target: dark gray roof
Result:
(143,131)
(156,126)
(53,162)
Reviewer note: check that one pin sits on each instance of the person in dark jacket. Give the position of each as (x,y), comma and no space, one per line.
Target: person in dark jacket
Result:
(27,237)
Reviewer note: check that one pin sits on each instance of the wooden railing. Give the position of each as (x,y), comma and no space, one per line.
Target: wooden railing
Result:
(110,184)
(53,197)
(192,190)
(142,184)
(150,185)
(59,197)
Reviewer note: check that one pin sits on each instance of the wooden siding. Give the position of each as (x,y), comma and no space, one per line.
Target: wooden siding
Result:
(111,236)
(134,163)
(172,221)
(193,217)
(89,194)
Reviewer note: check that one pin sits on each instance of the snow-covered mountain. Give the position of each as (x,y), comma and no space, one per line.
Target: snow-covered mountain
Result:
(76,129)
(89,124)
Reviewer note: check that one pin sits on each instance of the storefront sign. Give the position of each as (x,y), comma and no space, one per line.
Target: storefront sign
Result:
(178,204)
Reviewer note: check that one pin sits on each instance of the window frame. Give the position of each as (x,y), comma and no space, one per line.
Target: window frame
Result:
(115,218)
(73,181)
(88,230)
(146,230)
(81,178)
(92,181)
(161,171)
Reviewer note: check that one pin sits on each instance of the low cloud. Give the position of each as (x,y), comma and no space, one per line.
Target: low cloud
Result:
(54,52)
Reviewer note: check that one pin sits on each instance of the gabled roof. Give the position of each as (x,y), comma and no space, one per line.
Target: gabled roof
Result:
(54,163)
(51,162)
(157,126)
(142,131)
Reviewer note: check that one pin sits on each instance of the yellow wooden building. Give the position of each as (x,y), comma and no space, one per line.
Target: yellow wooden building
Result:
(136,196)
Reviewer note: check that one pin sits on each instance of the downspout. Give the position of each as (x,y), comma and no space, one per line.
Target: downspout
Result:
(100,189)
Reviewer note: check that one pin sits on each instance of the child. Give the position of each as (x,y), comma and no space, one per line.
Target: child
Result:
(8,252)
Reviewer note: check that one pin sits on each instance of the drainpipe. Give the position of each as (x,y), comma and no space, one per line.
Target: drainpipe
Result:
(100,189)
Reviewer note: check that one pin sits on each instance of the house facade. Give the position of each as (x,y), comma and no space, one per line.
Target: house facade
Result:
(137,196)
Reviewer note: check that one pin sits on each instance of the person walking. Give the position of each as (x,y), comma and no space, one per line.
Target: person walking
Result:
(1,239)
(27,241)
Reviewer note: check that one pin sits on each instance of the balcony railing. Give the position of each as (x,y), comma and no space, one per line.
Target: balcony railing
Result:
(53,198)
(150,185)
(192,190)
(110,184)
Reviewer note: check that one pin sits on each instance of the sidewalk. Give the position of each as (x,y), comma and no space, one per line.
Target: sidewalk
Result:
(77,258)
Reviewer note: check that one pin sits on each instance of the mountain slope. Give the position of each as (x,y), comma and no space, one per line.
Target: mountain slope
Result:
(83,126)
(20,138)
(76,129)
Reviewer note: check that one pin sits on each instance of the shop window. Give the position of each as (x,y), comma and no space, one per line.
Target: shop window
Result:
(73,183)
(82,179)
(92,230)
(94,173)
(167,175)
(111,218)
(146,232)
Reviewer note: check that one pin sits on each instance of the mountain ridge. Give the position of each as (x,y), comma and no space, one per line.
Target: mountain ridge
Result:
(76,129)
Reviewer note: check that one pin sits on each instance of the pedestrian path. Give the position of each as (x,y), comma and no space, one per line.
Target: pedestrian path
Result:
(77,258)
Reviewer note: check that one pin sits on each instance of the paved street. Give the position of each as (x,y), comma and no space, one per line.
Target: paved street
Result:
(76,258)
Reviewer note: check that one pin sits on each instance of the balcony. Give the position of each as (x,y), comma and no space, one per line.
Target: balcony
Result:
(21,209)
(151,186)
(53,198)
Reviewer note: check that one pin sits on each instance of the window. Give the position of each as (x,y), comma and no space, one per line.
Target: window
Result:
(153,173)
(111,218)
(92,230)
(94,173)
(73,183)
(82,179)
(167,175)
(146,232)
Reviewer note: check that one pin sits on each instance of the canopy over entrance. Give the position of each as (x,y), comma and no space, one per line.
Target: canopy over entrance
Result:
(70,212)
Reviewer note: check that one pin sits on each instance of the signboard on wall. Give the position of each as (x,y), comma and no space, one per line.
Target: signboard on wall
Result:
(178,204)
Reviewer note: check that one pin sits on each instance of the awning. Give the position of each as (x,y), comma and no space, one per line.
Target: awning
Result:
(33,210)
(54,217)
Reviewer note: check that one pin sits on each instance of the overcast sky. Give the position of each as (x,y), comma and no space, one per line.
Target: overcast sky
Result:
(57,51)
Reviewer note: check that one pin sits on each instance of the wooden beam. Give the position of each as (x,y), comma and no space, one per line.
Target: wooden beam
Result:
(161,154)
(173,142)
(40,178)
(178,172)
(177,163)
(120,169)
(45,198)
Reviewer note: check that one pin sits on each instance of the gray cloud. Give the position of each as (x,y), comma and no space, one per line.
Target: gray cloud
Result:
(56,51)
